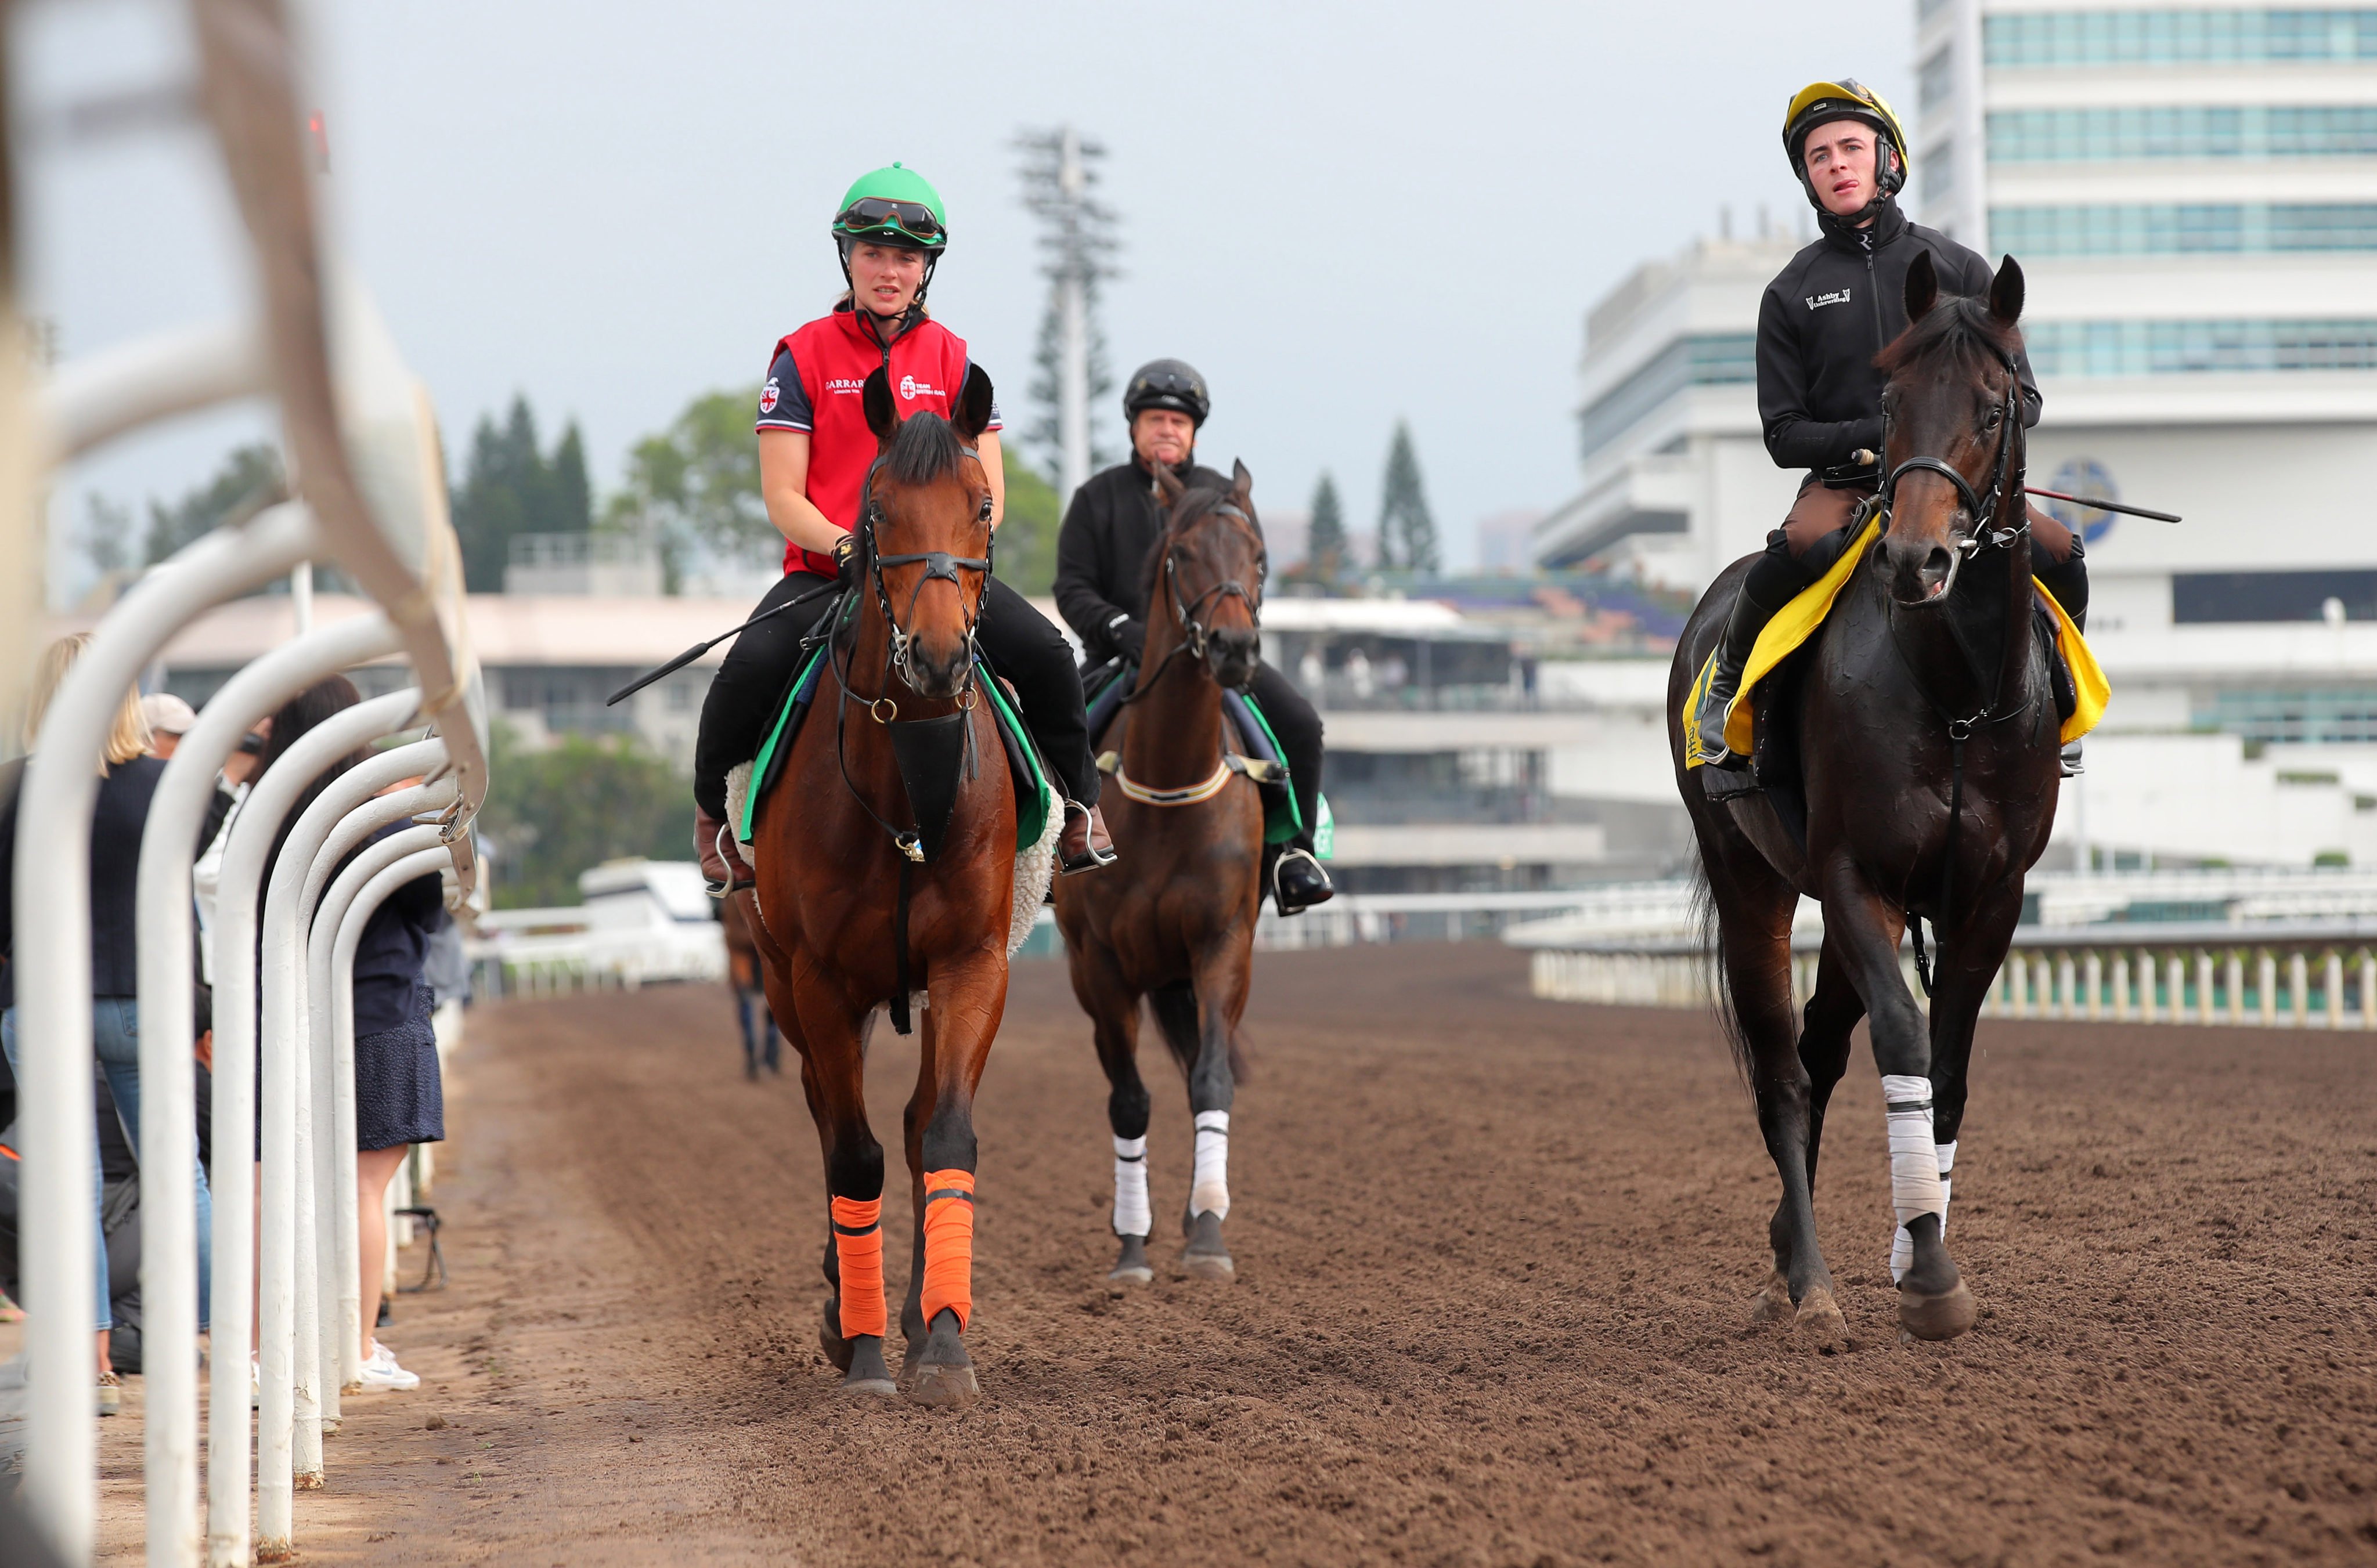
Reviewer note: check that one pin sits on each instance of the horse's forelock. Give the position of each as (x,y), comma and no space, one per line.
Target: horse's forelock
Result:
(923,450)
(1960,326)
(1198,501)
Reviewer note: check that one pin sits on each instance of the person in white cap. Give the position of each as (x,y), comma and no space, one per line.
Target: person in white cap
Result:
(169,719)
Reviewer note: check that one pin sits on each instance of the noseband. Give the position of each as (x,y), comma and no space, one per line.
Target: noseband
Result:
(1195,634)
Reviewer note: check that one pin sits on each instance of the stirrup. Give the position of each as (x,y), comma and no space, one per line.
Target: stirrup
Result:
(2069,760)
(1094,858)
(1306,856)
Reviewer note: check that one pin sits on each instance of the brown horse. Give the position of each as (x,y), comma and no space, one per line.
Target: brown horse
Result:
(863,897)
(1927,738)
(1175,922)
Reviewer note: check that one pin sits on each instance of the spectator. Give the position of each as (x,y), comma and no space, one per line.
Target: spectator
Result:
(127,782)
(169,719)
(399,1097)
(214,833)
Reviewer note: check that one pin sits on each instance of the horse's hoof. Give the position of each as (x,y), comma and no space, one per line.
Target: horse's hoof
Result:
(866,1375)
(1773,1304)
(1130,1265)
(938,1373)
(1943,1316)
(947,1388)
(1205,1257)
(830,1339)
(1819,1325)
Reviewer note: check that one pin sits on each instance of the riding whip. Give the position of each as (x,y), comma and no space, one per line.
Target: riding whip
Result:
(698,650)
(1865,457)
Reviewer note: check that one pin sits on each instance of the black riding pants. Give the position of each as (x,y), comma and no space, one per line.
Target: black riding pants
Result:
(1018,639)
(1297,726)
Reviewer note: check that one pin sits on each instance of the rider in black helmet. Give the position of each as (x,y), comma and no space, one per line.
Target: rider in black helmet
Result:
(1101,560)
(1823,321)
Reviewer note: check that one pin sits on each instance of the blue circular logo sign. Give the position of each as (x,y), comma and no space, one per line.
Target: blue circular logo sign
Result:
(2083,476)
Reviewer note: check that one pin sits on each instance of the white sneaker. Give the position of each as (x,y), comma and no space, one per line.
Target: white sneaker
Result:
(382,1373)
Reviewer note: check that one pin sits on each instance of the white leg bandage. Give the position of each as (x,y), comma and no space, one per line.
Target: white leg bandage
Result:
(1211,1192)
(1914,1185)
(1131,1215)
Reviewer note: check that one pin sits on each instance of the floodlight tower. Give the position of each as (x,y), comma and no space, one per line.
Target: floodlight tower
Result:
(1077,235)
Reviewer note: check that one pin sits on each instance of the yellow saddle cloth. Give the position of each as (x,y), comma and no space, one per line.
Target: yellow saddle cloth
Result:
(1797,621)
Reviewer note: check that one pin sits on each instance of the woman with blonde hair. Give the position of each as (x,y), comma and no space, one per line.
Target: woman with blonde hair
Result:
(127,783)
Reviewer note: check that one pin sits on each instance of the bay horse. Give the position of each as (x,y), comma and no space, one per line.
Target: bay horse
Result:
(860,900)
(1173,922)
(1927,739)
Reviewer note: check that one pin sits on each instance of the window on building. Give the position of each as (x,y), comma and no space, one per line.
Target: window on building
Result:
(2182,348)
(1708,359)
(2184,228)
(2177,37)
(1936,82)
(2335,715)
(2212,598)
(2258,131)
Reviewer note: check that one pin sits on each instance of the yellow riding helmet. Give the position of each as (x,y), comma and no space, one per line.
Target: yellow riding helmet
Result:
(1849,99)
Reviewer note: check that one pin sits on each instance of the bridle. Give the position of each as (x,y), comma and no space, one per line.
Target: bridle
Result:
(939,564)
(1984,534)
(1195,634)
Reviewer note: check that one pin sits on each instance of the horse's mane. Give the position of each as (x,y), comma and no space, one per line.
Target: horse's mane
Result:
(925,448)
(1960,326)
(1200,500)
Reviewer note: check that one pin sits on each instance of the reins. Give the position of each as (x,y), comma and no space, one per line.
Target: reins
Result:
(1985,536)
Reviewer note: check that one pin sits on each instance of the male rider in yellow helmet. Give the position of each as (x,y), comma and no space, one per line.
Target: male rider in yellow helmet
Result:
(1823,319)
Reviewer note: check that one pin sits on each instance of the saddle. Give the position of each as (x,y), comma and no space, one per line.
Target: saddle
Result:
(2079,686)
(1035,798)
(1283,820)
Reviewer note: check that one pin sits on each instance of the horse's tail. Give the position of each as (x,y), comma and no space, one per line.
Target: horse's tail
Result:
(1175,1007)
(1708,946)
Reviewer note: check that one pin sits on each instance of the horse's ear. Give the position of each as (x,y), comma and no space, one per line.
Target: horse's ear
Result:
(881,417)
(1922,287)
(2005,292)
(1168,486)
(1242,485)
(975,401)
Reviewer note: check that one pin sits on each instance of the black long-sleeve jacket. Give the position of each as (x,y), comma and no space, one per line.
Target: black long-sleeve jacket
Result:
(1824,318)
(1102,554)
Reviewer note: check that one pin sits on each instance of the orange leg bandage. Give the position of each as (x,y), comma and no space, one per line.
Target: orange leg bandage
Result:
(858,1250)
(949,1244)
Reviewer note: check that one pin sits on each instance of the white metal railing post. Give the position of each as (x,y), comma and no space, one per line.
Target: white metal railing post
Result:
(2234,969)
(2204,1011)
(168,1269)
(2333,975)
(236,951)
(2265,975)
(2174,969)
(52,968)
(2092,976)
(2367,990)
(284,1015)
(359,810)
(2297,990)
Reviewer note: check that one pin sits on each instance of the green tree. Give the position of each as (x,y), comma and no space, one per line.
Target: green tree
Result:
(553,813)
(696,486)
(511,487)
(1406,530)
(1326,552)
(250,477)
(1026,557)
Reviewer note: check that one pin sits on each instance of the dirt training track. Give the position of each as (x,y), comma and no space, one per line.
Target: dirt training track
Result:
(1496,1258)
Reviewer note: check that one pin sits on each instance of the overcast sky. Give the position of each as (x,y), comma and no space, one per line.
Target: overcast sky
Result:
(1343,214)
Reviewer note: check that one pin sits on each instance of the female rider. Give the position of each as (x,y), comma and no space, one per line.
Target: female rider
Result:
(815,450)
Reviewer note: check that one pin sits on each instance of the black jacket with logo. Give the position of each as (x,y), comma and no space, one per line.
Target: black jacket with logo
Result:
(1102,554)
(1824,318)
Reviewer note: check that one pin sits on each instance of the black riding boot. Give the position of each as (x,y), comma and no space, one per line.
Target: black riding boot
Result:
(1295,877)
(1774,579)
(2068,581)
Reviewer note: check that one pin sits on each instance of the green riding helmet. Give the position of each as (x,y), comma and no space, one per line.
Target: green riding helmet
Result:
(895,206)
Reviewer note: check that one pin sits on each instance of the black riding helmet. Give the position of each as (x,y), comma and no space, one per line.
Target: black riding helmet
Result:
(1166,384)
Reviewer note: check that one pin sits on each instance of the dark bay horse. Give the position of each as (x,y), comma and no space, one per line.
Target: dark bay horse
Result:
(1175,920)
(1928,737)
(850,921)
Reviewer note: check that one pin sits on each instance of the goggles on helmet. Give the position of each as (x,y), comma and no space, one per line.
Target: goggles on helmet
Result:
(913,218)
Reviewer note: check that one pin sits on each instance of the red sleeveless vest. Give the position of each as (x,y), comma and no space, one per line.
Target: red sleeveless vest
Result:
(835,354)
